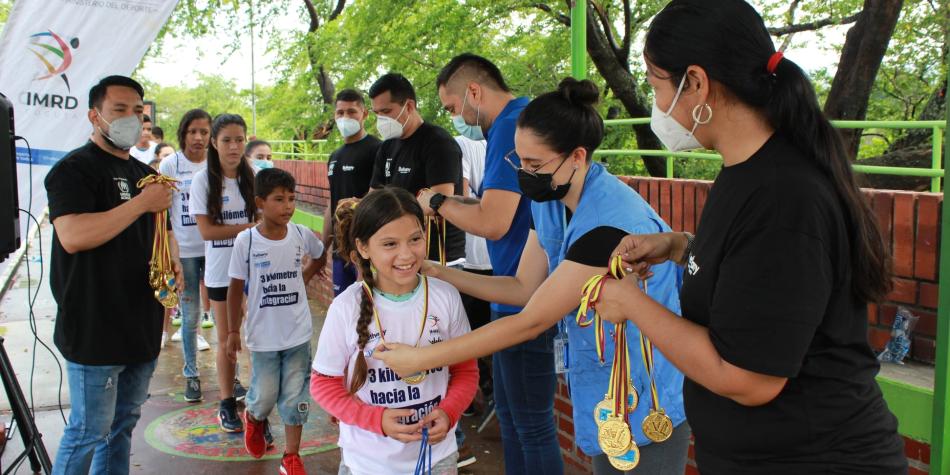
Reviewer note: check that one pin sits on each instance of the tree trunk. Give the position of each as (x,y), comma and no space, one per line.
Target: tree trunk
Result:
(861,58)
(935,109)
(622,83)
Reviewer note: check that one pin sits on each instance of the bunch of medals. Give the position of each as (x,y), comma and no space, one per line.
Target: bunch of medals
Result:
(420,376)
(161,273)
(614,435)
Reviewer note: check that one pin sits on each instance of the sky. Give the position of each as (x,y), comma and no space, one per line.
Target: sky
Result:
(180,61)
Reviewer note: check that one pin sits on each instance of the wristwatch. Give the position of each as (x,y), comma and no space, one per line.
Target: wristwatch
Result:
(436,202)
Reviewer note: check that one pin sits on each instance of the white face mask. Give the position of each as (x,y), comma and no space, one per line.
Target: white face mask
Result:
(671,133)
(124,132)
(389,128)
(348,127)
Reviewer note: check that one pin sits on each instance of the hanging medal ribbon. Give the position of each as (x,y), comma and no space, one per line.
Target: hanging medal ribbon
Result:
(420,376)
(440,231)
(161,273)
(657,426)
(424,460)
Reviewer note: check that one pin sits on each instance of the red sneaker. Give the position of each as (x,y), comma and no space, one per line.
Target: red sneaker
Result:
(292,465)
(254,440)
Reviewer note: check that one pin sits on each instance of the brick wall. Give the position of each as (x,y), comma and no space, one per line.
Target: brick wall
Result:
(910,223)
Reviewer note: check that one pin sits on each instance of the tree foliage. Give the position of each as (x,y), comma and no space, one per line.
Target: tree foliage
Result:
(350,43)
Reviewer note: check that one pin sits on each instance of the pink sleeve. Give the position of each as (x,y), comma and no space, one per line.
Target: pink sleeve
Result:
(331,394)
(463,382)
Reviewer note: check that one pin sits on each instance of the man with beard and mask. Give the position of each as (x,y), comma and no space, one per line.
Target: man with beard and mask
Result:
(108,322)
(416,155)
(349,172)
(194,132)
(473,90)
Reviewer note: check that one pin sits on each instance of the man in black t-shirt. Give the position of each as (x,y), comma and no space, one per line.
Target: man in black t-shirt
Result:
(108,323)
(349,172)
(416,155)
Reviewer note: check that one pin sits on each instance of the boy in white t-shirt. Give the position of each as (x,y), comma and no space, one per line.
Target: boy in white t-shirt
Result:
(267,266)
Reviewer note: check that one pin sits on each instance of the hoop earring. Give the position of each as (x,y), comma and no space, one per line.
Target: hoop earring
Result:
(698,114)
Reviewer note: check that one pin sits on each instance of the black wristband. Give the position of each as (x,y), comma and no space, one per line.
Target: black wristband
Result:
(436,202)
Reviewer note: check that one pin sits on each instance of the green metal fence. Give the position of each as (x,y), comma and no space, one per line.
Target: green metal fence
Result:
(317,149)
(935,172)
(299,149)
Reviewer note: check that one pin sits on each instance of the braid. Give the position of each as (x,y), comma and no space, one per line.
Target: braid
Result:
(362,329)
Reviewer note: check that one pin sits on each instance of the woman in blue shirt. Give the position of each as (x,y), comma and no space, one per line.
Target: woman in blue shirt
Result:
(580,213)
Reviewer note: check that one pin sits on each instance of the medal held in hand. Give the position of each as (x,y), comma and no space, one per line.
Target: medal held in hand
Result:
(657,426)
(419,377)
(161,272)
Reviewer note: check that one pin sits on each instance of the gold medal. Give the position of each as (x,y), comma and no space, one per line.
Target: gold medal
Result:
(633,399)
(627,461)
(161,275)
(602,410)
(415,379)
(614,436)
(657,426)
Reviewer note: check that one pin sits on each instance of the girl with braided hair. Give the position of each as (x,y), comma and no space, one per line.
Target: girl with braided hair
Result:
(382,426)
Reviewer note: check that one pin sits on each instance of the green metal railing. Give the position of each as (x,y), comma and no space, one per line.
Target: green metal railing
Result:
(299,149)
(935,172)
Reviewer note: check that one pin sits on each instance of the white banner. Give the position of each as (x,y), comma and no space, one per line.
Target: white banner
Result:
(53,51)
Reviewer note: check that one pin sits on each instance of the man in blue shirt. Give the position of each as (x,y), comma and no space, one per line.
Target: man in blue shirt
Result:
(482,106)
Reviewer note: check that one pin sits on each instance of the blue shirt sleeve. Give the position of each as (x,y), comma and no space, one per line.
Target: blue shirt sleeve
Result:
(498,173)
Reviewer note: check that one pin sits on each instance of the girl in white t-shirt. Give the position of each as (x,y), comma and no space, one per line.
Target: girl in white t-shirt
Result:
(222,203)
(383,427)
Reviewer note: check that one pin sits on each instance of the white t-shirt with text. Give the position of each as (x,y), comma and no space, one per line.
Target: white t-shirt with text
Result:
(218,253)
(363,451)
(278,316)
(473,169)
(184,226)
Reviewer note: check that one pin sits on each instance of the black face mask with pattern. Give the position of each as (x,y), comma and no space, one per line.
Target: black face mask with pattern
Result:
(540,187)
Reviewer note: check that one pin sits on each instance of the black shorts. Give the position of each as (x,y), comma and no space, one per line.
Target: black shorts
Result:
(218,294)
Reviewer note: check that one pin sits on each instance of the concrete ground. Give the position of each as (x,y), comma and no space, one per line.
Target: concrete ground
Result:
(173,437)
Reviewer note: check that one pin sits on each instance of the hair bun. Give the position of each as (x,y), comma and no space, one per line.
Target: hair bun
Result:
(579,93)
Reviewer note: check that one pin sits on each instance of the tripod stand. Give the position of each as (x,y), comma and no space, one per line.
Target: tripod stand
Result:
(32,439)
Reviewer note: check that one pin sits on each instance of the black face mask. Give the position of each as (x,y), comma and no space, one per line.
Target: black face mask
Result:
(540,187)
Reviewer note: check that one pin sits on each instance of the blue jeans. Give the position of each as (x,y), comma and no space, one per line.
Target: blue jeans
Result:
(193,269)
(280,378)
(525,384)
(344,275)
(106,405)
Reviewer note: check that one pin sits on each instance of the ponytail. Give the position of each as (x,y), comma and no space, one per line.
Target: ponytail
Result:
(793,110)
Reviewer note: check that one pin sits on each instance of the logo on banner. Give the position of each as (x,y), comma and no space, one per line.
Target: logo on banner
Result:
(54,53)
(56,56)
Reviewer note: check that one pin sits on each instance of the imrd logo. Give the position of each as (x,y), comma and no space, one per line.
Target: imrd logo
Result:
(55,56)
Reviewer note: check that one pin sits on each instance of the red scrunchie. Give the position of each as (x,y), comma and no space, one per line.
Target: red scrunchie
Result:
(773,62)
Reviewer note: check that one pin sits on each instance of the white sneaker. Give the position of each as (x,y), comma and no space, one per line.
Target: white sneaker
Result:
(164,338)
(177,335)
(202,343)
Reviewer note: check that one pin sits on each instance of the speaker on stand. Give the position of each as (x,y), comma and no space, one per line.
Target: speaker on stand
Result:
(10,242)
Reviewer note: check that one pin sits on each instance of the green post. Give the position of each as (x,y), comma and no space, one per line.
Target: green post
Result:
(936,161)
(669,166)
(940,460)
(579,39)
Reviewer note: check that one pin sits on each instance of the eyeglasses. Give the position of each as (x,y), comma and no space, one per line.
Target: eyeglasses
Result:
(511,156)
